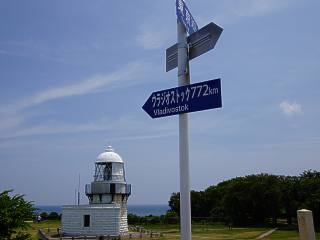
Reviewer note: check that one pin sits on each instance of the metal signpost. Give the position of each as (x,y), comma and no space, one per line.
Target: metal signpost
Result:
(199,43)
(186,98)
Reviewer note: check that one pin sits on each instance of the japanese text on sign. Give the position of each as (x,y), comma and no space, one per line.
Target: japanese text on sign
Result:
(166,98)
(185,17)
(184,99)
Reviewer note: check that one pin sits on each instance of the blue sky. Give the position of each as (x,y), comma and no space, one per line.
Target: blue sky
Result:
(75,74)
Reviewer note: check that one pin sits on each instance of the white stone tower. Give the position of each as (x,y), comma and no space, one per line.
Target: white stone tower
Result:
(106,213)
(109,184)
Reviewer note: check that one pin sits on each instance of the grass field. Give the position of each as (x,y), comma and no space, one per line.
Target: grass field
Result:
(199,232)
(208,232)
(50,225)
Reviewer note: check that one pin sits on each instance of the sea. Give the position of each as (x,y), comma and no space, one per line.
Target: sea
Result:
(140,210)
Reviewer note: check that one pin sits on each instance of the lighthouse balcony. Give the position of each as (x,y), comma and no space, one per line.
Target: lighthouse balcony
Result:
(108,188)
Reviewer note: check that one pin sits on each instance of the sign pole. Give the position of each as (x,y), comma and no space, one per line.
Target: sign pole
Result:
(184,79)
(180,100)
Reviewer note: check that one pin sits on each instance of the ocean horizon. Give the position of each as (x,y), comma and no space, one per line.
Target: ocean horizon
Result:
(140,210)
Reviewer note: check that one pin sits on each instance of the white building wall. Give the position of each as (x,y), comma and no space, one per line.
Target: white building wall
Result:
(104,220)
(124,218)
(122,202)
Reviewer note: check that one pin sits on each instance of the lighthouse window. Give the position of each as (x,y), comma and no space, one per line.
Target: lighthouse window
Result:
(86,220)
(117,172)
(108,171)
(99,172)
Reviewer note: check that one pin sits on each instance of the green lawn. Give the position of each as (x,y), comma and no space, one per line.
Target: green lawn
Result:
(221,232)
(208,232)
(288,235)
(199,232)
(282,234)
(50,225)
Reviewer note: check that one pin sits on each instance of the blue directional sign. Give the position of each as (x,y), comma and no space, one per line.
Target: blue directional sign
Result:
(189,98)
(184,15)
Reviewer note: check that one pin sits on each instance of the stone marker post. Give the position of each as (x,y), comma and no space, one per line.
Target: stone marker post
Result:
(306,228)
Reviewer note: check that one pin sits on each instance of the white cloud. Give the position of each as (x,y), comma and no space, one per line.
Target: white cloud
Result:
(234,10)
(12,115)
(290,108)
(156,32)
(56,129)
(153,37)
(32,49)
(10,122)
(126,128)
(86,86)
(150,40)
(252,8)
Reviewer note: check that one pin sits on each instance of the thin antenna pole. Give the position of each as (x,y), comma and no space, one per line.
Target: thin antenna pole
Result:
(79,190)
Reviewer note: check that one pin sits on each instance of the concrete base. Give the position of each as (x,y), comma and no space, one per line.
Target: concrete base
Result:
(306,227)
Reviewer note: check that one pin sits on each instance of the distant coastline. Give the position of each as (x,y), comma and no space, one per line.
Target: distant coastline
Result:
(140,210)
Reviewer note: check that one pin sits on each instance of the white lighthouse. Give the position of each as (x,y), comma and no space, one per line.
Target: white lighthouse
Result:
(106,213)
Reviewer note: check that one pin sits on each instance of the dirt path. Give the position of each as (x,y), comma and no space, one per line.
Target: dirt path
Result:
(266,234)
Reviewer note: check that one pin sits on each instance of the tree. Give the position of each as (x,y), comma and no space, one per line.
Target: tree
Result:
(174,203)
(290,186)
(256,199)
(170,218)
(53,216)
(14,211)
(310,194)
(198,207)
(44,215)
